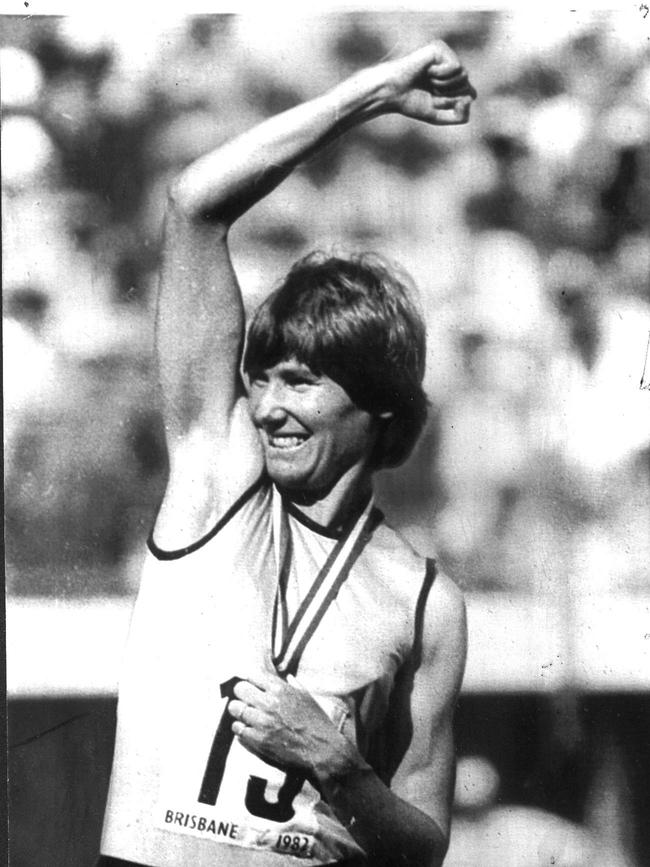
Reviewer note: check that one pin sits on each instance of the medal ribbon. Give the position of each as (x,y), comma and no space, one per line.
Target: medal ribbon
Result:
(290,639)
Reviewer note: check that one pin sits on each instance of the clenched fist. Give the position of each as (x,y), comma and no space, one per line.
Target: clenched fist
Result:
(429,84)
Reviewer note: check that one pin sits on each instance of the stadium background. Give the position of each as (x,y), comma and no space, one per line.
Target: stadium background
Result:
(527,234)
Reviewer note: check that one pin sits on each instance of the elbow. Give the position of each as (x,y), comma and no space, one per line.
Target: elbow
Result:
(184,205)
(435,850)
(425,856)
(432,847)
(437,858)
(424,849)
(179,200)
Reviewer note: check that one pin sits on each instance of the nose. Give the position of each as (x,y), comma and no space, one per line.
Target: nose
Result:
(267,404)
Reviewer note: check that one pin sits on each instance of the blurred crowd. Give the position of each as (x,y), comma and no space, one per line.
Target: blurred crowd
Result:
(526,232)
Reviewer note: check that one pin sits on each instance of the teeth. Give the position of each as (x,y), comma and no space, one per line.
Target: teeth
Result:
(286,442)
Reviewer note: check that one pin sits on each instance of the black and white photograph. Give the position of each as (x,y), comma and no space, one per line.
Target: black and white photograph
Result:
(326,404)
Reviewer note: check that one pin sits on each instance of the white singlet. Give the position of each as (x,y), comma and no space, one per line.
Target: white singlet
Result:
(265,588)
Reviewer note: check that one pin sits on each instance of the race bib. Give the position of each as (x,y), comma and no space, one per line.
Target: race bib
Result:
(211,787)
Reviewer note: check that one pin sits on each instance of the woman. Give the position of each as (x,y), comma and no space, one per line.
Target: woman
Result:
(293,664)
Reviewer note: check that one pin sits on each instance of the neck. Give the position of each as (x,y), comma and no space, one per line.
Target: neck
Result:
(332,508)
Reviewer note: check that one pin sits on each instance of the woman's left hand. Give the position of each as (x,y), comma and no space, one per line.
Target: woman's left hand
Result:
(281,722)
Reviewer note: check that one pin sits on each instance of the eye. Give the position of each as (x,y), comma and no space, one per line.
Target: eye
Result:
(300,379)
(257,378)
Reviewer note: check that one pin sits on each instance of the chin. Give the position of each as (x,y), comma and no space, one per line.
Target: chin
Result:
(287,477)
(295,482)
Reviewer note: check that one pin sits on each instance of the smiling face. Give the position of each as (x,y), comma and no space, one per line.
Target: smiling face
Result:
(311,431)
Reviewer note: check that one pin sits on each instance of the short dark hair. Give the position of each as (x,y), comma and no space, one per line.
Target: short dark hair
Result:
(353,319)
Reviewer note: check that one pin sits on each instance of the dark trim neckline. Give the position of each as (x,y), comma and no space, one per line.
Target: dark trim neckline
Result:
(323,529)
(308,522)
(291,508)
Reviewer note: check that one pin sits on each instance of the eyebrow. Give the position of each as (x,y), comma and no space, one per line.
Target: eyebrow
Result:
(296,366)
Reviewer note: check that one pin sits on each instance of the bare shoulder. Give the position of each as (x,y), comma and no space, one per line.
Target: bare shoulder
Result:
(447,599)
(445,624)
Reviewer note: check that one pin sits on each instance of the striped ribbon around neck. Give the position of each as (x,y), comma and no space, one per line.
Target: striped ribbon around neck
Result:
(289,638)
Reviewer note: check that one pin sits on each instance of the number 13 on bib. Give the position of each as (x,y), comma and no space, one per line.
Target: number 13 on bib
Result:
(223,793)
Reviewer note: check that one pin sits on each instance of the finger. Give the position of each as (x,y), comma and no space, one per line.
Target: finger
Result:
(236,709)
(446,68)
(250,694)
(435,56)
(451,109)
(253,741)
(239,729)
(462,108)
(450,117)
(247,736)
(249,716)
(466,90)
(446,84)
(454,93)
(459,87)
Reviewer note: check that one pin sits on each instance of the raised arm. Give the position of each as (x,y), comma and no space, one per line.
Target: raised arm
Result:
(212,447)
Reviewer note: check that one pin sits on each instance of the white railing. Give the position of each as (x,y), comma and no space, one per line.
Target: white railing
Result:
(517,644)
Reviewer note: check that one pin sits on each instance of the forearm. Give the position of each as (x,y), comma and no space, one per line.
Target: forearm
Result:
(428,85)
(391,831)
(280,721)
(226,182)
